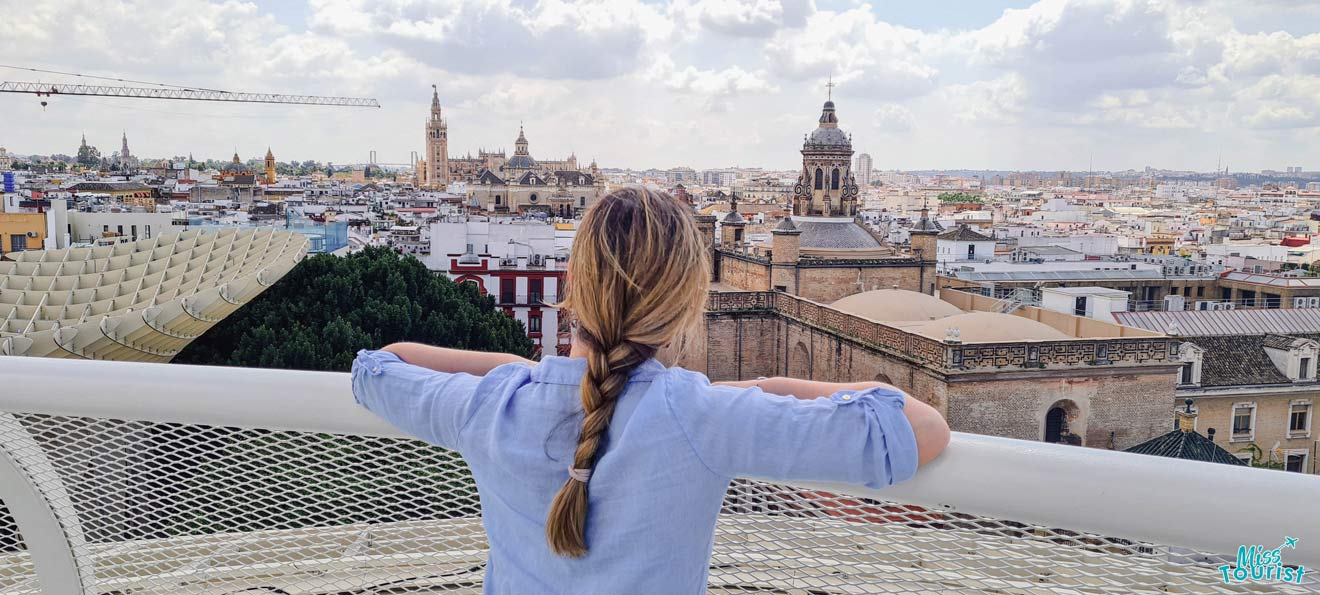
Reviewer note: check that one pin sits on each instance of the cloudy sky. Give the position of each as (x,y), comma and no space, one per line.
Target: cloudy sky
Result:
(705,83)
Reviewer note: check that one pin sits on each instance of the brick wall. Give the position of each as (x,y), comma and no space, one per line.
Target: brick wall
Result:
(744,274)
(1133,402)
(1134,406)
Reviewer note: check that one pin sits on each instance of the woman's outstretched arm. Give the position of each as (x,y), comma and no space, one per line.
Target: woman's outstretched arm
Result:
(929,427)
(443,359)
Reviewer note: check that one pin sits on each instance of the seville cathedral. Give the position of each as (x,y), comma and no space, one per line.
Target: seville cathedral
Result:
(831,300)
(503,184)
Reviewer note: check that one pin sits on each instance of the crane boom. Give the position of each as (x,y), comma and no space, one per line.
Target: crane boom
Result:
(49,90)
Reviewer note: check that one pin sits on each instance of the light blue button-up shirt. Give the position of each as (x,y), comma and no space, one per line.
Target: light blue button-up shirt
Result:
(675,443)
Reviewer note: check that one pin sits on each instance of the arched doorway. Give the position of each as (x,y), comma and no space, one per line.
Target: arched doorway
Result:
(1056,425)
(1063,423)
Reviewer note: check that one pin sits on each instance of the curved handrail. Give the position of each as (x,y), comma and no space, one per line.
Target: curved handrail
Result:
(1202,506)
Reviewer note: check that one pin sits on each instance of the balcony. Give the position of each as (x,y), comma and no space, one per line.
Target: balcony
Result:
(527,299)
(147,478)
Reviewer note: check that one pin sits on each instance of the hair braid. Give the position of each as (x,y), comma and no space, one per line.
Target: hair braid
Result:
(636,282)
(608,367)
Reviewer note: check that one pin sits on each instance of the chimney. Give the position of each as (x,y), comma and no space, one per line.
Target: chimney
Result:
(1210,434)
(1187,419)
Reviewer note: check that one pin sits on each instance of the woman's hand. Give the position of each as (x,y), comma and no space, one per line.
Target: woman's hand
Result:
(443,359)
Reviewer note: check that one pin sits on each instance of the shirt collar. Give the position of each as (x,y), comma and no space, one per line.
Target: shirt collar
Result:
(570,370)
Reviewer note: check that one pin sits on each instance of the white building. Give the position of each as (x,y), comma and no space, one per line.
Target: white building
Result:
(520,263)
(962,243)
(1099,303)
(862,169)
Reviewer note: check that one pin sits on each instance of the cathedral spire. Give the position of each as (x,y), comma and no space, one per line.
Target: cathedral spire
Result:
(520,145)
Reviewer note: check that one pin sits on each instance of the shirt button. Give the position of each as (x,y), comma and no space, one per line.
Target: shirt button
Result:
(847,397)
(375,370)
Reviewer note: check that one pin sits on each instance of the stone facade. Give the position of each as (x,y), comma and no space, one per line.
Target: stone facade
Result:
(1118,392)
(1270,423)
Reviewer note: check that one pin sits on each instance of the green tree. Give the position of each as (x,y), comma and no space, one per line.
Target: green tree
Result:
(89,156)
(959,197)
(327,308)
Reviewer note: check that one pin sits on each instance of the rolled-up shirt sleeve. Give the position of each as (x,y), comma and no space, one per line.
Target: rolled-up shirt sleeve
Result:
(433,406)
(855,437)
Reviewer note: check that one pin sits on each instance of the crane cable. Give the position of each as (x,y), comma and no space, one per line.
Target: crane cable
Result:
(107,78)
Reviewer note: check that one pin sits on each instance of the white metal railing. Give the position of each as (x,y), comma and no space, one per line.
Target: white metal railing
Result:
(128,477)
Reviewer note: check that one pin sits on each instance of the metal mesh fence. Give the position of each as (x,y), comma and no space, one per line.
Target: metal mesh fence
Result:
(17,576)
(169,508)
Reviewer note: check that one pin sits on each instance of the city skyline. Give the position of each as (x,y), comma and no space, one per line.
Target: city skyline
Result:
(1050,85)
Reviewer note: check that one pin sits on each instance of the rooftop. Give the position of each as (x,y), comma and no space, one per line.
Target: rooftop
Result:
(1226,322)
(834,233)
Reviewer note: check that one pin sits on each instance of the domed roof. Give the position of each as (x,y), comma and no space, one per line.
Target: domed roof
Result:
(896,305)
(828,133)
(988,327)
(521,162)
(829,136)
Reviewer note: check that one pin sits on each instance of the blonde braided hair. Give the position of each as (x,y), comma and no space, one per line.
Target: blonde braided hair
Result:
(638,279)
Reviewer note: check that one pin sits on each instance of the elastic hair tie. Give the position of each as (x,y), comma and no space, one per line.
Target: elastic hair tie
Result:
(582,475)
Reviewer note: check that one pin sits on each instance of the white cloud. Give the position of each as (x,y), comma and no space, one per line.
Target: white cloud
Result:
(751,18)
(697,82)
(892,118)
(547,39)
(996,101)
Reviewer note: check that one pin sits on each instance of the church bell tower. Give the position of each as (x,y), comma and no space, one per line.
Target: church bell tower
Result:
(436,169)
(826,187)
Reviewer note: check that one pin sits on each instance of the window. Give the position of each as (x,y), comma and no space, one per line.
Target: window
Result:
(147,229)
(1304,369)
(834,179)
(119,229)
(497,199)
(534,323)
(17,242)
(1200,291)
(1295,461)
(534,287)
(1244,421)
(133,229)
(1079,306)
(1191,358)
(507,291)
(582,201)
(820,179)
(1299,419)
(971,252)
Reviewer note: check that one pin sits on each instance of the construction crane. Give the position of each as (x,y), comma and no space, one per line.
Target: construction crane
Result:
(44,90)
